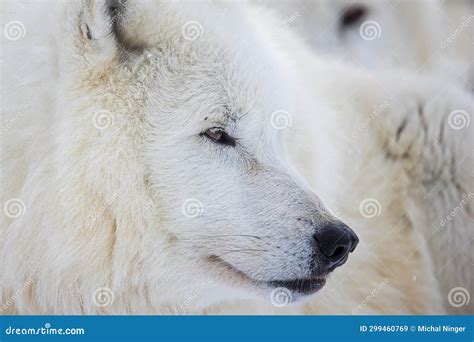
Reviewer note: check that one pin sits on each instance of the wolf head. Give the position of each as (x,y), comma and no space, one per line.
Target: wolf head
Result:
(206,104)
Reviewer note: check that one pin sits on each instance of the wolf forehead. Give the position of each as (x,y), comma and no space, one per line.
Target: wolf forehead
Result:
(212,42)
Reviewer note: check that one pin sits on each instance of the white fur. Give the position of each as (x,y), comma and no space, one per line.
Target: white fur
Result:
(103,207)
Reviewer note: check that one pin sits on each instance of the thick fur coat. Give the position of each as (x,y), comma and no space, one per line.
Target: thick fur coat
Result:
(115,203)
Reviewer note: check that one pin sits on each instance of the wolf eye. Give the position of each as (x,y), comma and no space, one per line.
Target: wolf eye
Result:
(219,136)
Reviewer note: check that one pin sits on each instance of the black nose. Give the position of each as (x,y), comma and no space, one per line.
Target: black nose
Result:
(335,241)
(352,15)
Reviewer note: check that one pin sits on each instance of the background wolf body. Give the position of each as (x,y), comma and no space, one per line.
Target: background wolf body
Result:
(353,136)
(422,35)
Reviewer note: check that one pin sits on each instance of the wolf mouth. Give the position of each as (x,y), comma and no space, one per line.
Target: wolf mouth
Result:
(303,286)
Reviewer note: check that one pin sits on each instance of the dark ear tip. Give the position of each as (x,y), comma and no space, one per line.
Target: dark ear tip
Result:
(353,15)
(115,6)
(88,32)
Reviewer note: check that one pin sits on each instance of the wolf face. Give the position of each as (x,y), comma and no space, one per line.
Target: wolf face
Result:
(210,106)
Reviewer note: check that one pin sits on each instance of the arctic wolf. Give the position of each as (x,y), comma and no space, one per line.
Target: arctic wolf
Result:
(147,169)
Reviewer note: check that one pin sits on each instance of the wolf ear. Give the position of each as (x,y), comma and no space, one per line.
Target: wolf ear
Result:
(101,17)
(107,22)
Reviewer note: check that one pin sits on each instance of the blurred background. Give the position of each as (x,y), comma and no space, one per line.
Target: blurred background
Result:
(422,35)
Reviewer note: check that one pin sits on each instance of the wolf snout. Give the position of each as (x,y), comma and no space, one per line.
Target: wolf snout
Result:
(335,241)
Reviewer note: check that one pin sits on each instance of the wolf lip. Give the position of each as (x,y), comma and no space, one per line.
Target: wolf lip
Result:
(302,286)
